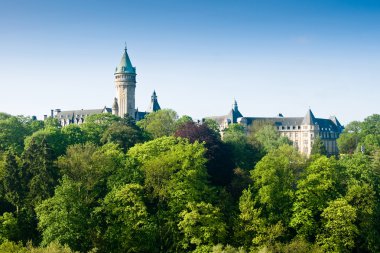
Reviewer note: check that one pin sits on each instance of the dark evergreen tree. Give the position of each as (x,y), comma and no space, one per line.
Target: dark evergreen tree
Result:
(40,171)
(318,147)
(13,184)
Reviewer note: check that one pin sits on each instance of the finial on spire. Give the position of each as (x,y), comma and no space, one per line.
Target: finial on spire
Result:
(125,45)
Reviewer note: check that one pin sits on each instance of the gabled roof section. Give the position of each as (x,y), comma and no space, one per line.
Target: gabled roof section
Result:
(309,118)
(81,113)
(336,121)
(125,65)
(154,105)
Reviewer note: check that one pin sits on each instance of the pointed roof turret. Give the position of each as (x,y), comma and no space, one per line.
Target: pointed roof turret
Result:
(125,65)
(154,106)
(234,114)
(235,107)
(309,118)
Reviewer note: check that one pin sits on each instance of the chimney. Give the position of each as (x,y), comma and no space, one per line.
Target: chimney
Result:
(45,117)
(52,113)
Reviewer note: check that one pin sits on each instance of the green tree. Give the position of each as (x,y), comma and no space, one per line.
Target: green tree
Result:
(40,171)
(219,161)
(268,138)
(274,178)
(266,207)
(66,217)
(318,147)
(253,230)
(371,125)
(52,123)
(95,126)
(339,231)
(202,225)
(129,227)
(175,174)
(12,134)
(8,227)
(12,247)
(13,182)
(244,154)
(91,166)
(53,137)
(213,125)
(73,134)
(349,139)
(183,120)
(320,185)
(362,197)
(369,144)
(123,135)
(159,123)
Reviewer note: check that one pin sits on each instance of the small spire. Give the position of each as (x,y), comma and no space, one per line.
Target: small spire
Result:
(125,45)
(154,106)
(235,105)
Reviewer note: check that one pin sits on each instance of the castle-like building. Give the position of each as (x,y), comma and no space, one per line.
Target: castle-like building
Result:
(124,102)
(302,131)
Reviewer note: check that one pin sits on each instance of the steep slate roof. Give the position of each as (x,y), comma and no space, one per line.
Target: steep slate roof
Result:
(336,122)
(219,119)
(325,125)
(140,115)
(154,105)
(277,121)
(81,113)
(309,118)
(232,116)
(125,65)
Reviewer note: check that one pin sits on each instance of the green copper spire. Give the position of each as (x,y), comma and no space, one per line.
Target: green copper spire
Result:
(125,65)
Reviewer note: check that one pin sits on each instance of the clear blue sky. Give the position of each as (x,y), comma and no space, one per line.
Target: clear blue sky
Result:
(271,55)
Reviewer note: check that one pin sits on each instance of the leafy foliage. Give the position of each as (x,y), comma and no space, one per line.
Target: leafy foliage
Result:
(159,123)
(106,186)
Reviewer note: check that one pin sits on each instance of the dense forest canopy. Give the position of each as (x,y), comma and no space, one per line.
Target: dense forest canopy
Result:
(167,184)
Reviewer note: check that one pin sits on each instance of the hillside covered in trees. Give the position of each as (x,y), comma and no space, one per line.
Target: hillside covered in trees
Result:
(171,185)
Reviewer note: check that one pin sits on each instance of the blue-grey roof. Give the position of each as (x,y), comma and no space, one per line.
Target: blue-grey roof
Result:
(125,65)
(309,118)
(154,105)
(81,113)
(324,124)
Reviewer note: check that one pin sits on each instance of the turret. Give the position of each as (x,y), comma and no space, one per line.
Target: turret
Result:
(125,82)
(115,107)
(309,118)
(154,106)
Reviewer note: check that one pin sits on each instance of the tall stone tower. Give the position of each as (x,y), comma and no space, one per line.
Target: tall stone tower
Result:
(125,82)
